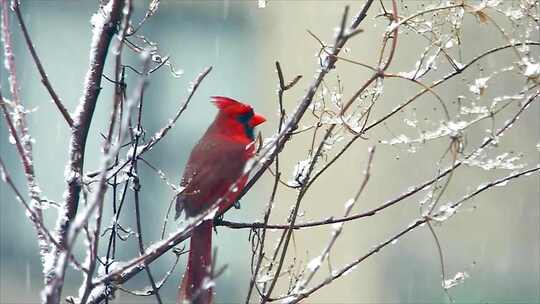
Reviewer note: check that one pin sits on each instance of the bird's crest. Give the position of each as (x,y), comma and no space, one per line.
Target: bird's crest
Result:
(230,105)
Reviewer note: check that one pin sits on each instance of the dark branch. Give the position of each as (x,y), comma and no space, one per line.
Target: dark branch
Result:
(44,79)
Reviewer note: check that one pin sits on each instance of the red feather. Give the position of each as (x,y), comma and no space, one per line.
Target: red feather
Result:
(215,164)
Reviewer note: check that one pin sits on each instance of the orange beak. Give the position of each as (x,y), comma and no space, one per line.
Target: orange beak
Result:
(256,120)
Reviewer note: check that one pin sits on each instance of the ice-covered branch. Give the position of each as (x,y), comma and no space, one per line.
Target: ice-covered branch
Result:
(410,192)
(21,137)
(302,294)
(283,87)
(161,133)
(104,22)
(341,39)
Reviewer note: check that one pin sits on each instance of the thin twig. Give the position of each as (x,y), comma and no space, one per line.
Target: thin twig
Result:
(164,130)
(417,223)
(19,132)
(133,171)
(103,33)
(282,88)
(399,108)
(44,79)
(336,231)
(389,203)
(68,226)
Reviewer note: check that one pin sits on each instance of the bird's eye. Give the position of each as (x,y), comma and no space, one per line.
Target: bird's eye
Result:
(245,118)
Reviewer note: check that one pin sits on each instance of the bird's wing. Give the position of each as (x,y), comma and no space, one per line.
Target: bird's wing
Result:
(211,170)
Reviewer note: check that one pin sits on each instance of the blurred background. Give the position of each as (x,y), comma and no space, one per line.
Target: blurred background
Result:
(494,238)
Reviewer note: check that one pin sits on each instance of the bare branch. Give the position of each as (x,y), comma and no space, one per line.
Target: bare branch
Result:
(104,29)
(316,263)
(417,223)
(164,130)
(19,132)
(44,79)
(408,193)
(261,242)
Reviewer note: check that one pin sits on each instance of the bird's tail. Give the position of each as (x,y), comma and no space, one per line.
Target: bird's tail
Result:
(196,286)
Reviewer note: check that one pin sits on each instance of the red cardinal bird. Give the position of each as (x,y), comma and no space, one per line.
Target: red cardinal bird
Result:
(215,165)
